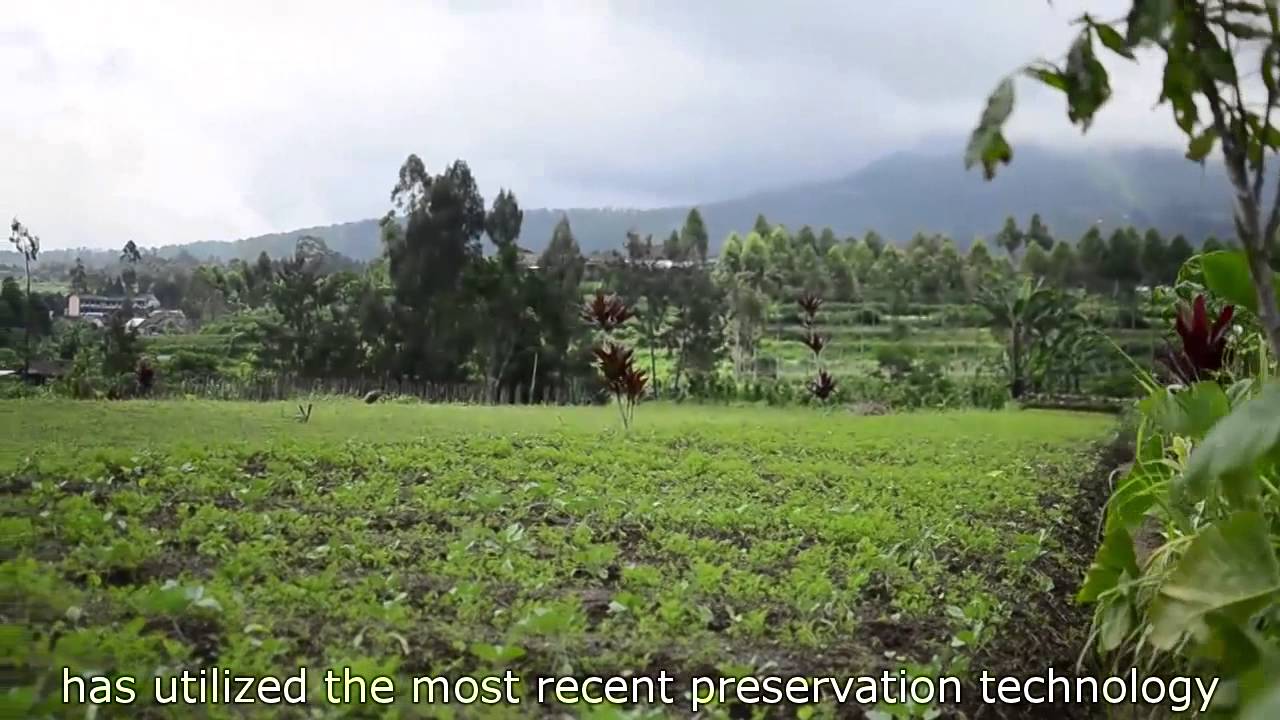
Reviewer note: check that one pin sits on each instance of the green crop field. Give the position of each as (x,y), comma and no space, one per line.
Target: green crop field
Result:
(410,540)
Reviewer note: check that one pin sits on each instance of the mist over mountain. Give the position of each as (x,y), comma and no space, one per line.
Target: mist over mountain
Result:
(898,195)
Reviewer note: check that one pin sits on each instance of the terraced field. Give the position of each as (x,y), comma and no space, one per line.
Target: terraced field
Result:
(142,538)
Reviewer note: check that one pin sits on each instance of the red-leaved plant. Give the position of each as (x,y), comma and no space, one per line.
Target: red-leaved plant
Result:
(615,361)
(1203,350)
(823,386)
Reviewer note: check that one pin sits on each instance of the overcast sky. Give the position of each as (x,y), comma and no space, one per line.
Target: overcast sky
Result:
(175,121)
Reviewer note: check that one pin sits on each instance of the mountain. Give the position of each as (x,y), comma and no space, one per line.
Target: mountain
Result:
(898,195)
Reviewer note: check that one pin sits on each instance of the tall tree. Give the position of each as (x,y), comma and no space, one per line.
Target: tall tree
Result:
(1091,253)
(698,330)
(874,241)
(1038,233)
(672,249)
(1036,262)
(1062,264)
(28,246)
(79,278)
(428,263)
(130,257)
(1154,260)
(1010,238)
(500,286)
(562,261)
(693,237)
(731,254)
(1124,260)
(1179,252)
(762,226)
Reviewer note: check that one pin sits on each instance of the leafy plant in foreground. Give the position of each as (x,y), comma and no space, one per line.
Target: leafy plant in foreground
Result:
(615,362)
(1204,346)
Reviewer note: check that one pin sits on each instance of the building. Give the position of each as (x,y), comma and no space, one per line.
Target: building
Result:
(159,322)
(99,306)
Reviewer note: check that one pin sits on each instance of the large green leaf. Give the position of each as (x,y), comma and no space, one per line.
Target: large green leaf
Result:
(1088,87)
(1191,412)
(1135,494)
(1236,445)
(1230,568)
(1226,274)
(1201,145)
(1115,560)
(987,144)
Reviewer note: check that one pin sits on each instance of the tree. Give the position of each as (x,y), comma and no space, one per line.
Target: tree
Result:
(979,256)
(837,268)
(28,246)
(1220,56)
(500,287)
(1036,262)
(1178,252)
(79,278)
(1038,233)
(130,257)
(762,226)
(827,240)
(755,258)
(671,247)
(1124,260)
(1018,311)
(874,241)
(1091,253)
(429,261)
(562,261)
(1062,265)
(1153,261)
(693,237)
(639,248)
(731,254)
(1010,238)
(698,330)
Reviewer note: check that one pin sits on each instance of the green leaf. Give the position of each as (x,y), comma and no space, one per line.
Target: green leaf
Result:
(1229,568)
(1115,559)
(1115,622)
(1191,412)
(1148,20)
(1236,445)
(1179,89)
(1216,61)
(1114,41)
(1201,145)
(1048,75)
(987,145)
(1087,85)
(1226,274)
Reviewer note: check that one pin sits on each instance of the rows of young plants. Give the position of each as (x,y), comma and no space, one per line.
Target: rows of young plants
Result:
(700,542)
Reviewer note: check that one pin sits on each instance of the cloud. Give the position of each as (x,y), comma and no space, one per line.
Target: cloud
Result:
(173,122)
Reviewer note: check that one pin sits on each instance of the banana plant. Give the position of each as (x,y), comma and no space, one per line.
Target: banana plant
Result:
(1023,314)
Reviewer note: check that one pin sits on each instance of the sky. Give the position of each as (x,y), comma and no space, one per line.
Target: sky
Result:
(175,121)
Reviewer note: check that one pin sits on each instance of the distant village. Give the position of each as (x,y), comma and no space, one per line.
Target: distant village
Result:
(149,318)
